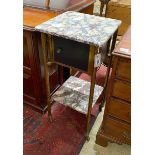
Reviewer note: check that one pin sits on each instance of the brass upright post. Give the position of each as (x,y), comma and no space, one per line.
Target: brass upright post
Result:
(46,73)
(93,78)
(112,46)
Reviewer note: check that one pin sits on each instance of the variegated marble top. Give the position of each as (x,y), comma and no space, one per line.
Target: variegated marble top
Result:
(75,94)
(85,28)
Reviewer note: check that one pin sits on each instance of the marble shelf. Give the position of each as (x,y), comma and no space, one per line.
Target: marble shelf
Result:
(75,94)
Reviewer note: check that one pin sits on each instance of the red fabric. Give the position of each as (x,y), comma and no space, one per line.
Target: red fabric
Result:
(64,135)
(100,75)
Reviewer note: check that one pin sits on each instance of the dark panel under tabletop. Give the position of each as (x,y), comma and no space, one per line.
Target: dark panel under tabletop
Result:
(71,53)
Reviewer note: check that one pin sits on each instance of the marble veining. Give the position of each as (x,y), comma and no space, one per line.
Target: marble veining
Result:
(85,28)
(75,94)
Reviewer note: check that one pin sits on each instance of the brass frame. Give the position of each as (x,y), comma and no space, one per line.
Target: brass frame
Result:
(109,55)
(91,71)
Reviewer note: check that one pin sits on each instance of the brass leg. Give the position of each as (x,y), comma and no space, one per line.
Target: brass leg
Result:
(112,46)
(46,73)
(114,40)
(93,77)
(90,101)
(105,83)
(102,102)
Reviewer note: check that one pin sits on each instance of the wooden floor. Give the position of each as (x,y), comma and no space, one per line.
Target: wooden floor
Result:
(91,148)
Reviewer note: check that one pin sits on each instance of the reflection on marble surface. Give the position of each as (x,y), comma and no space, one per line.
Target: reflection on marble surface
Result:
(85,28)
(75,94)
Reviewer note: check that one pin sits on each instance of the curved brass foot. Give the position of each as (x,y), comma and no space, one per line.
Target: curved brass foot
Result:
(87,137)
(100,108)
(50,118)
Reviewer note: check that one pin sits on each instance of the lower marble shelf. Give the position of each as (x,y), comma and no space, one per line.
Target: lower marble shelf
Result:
(75,94)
